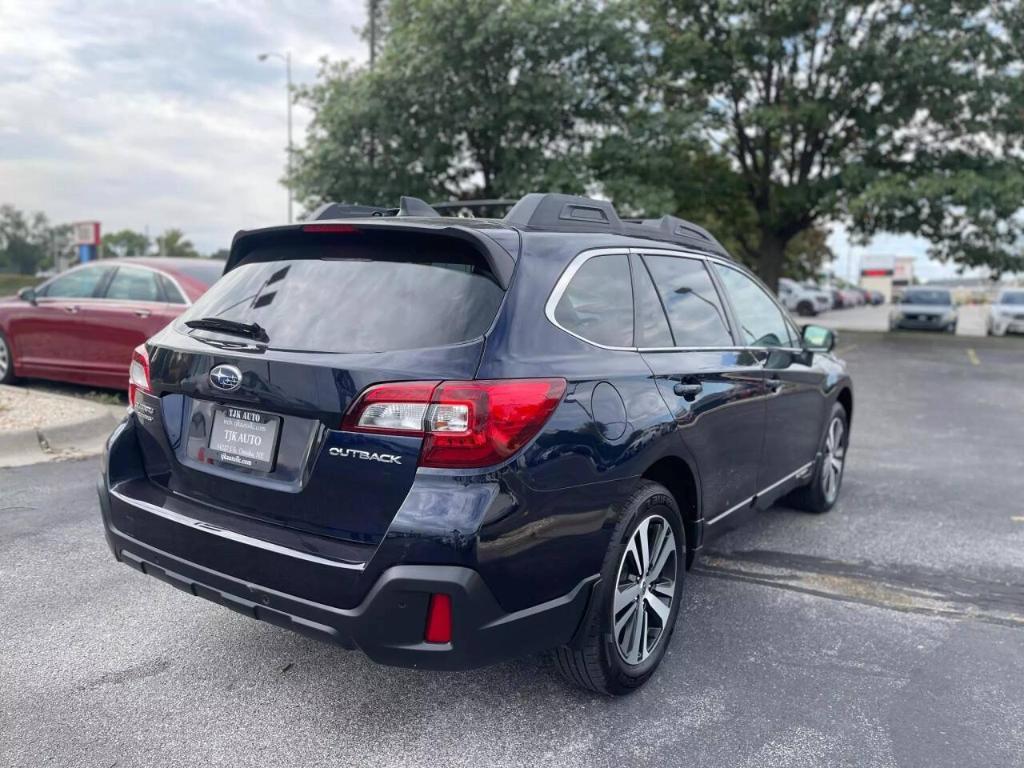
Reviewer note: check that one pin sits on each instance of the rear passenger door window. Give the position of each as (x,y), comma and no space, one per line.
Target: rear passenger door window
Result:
(762,323)
(689,299)
(597,304)
(134,284)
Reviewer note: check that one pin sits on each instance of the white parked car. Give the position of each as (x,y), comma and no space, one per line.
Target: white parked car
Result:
(802,299)
(931,309)
(1007,314)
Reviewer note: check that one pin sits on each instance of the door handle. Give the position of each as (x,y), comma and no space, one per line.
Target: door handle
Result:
(71,309)
(774,385)
(688,390)
(143,312)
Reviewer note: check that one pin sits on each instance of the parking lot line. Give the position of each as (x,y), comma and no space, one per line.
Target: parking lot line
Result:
(973,356)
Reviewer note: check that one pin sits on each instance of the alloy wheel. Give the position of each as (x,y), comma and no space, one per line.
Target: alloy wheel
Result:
(5,358)
(832,465)
(645,589)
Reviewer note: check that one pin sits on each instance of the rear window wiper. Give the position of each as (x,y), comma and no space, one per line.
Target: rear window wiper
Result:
(232,327)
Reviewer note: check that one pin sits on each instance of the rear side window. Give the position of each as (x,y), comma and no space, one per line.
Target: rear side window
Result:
(329,298)
(597,305)
(691,302)
(171,291)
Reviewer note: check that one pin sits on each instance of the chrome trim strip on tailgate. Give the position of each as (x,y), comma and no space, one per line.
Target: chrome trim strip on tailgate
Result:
(241,538)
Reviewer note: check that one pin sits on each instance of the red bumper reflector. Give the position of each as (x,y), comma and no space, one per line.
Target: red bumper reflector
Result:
(439,619)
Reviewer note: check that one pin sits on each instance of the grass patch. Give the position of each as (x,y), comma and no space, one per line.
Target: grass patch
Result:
(14,283)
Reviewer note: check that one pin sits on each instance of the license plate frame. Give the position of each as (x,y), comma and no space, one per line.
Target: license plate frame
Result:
(253,443)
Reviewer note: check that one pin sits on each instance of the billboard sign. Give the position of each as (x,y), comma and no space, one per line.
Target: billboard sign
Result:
(86,232)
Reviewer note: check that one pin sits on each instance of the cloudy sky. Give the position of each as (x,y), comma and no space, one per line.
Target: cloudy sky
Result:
(158,114)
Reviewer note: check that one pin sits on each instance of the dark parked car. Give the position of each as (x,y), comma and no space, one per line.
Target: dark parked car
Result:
(447,442)
(82,325)
(925,309)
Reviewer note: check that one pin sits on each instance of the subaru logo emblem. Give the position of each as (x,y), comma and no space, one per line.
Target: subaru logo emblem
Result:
(226,377)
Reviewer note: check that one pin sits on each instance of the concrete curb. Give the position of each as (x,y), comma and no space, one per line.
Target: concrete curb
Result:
(81,436)
(85,436)
(20,447)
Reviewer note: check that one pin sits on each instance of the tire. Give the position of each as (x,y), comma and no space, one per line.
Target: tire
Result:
(818,496)
(6,361)
(597,661)
(805,309)
(951,328)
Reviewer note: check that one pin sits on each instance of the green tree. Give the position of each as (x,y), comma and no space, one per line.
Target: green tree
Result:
(880,114)
(125,243)
(173,243)
(23,240)
(475,98)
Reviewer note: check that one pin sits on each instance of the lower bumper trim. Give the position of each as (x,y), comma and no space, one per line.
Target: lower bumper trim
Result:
(388,625)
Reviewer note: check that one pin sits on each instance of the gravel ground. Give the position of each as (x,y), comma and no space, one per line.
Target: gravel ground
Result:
(27,409)
(101,666)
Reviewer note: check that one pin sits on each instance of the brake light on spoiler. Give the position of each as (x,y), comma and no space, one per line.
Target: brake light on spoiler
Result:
(464,424)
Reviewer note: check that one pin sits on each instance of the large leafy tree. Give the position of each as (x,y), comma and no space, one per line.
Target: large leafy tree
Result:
(780,117)
(769,122)
(28,242)
(474,98)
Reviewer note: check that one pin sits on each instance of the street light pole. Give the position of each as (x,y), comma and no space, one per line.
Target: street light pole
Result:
(286,57)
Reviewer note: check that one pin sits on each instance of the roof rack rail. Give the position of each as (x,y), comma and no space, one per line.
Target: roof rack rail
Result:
(407,206)
(473,206)
(564,213)
(570,213)
(672,226)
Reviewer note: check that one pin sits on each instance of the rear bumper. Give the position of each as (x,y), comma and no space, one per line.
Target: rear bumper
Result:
(387,624)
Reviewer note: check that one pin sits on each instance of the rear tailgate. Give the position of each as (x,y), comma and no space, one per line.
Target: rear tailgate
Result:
(252,428)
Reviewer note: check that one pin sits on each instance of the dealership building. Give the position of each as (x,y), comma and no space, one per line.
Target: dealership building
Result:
(886,273)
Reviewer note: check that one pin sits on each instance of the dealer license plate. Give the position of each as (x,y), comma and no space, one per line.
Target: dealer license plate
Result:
(244,438)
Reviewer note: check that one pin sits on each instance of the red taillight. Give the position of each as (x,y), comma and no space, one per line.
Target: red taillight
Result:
(463,423)
(439,619)
(138,374)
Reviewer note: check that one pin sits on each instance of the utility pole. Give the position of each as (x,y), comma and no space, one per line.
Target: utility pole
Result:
(373,32)
(286,57)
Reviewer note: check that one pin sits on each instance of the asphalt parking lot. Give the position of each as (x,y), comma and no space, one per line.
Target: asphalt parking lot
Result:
(889,632)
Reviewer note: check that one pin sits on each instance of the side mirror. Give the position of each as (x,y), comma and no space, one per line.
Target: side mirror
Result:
(28,294)
(818,339)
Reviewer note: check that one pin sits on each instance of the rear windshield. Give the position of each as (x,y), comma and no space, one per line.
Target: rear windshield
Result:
(326,298)
(205,271)
(927,297)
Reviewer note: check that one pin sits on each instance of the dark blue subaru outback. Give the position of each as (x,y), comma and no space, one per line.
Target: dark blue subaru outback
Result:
(448,442)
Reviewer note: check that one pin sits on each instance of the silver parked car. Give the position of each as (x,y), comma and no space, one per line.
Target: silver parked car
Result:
(930,309)
(1007,314)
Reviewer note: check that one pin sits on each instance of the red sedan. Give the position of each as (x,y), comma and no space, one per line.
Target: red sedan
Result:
(82,325)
